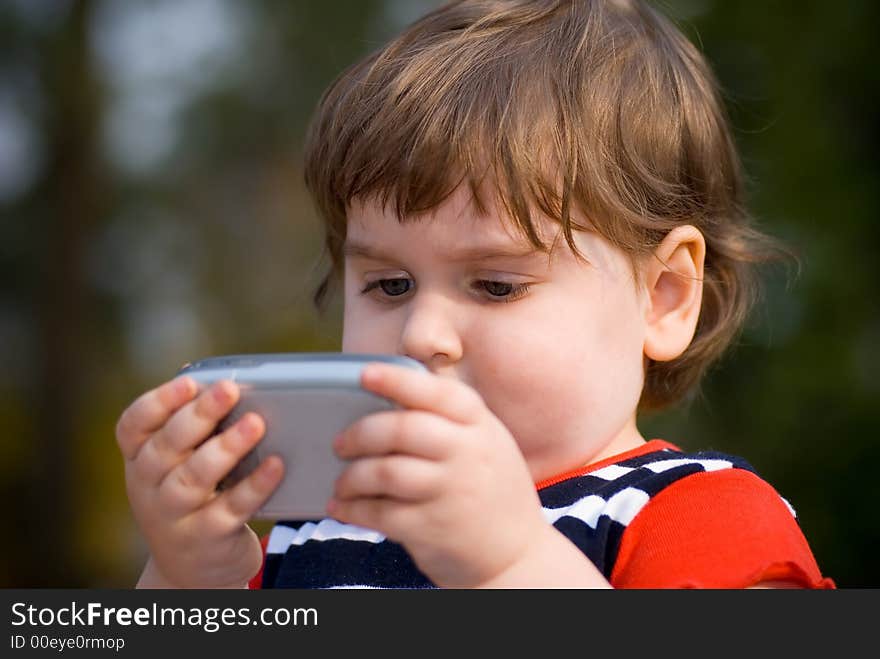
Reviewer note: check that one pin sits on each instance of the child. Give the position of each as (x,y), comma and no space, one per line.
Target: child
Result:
(541,202)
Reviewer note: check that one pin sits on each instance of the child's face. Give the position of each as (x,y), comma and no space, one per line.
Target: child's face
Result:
(561,364)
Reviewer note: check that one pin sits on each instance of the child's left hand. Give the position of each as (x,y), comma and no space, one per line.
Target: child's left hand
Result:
(443,476)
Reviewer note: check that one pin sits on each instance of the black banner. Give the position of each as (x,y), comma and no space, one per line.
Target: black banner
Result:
(132,623)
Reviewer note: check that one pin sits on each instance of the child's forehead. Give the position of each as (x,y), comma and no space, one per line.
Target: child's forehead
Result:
(457,219)
(494,250)
(456,232)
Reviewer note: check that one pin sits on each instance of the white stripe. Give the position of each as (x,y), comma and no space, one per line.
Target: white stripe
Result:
(790,507)
(587,510)
(626,504)
(373,587)
(610,472)
(622,507)
(708,465)
(355,587)
(282,537)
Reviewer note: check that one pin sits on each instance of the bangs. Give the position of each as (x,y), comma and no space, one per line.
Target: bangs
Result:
(412,123)
(416,152)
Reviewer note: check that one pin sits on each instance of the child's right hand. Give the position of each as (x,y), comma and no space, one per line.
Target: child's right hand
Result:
(198,537)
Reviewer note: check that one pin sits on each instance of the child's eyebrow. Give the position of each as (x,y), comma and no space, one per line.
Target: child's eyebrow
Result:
(476,253)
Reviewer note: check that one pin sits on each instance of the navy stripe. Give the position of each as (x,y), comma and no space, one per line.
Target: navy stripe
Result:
(599,544)
(334,563)
(340,562)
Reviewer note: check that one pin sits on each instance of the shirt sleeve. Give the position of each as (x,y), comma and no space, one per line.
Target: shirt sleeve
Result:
(256,581)
(719,529)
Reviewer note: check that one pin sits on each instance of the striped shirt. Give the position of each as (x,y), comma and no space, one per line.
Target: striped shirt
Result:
(651,517)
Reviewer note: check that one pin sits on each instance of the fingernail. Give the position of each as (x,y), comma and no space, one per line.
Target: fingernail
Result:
(184,386)
(271,468)
(337,442)
(371,373)
(246,425)
(221,393)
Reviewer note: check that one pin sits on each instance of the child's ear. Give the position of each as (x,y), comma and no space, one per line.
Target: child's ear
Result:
(673,278)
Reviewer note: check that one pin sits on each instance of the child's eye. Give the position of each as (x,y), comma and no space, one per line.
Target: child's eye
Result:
(497,291)
(502,291)
(391,287)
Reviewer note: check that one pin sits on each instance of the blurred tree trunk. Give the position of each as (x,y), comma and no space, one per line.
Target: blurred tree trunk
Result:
(70,202)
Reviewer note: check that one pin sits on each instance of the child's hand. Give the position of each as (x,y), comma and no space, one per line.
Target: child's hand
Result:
(444,477)
(197,537)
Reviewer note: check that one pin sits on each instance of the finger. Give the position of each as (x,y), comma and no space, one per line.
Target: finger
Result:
(198,420)
(397,476)
(194,481)
(388,516)
(151,411)
(412,432)
(187,428)
(423,391)
(236,506)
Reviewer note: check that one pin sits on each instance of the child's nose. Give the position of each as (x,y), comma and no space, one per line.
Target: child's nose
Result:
(429,332)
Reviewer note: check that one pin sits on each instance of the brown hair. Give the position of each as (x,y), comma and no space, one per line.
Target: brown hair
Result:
(596,106)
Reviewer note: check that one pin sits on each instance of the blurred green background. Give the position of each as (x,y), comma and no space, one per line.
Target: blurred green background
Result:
(153,212)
